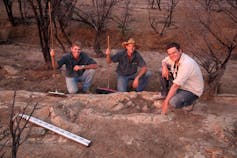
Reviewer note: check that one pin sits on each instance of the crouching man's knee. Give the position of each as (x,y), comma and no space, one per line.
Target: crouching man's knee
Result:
(72,91)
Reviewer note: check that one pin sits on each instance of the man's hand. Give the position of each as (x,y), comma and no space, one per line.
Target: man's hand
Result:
(172,91)
(165,107)
(52,53)
(107,52)
(77,67)
(135,82)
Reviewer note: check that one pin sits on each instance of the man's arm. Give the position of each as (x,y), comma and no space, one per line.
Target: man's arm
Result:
(141,72)
(108,58)
(171,93)
(91,66)
(82,67)
(54,63)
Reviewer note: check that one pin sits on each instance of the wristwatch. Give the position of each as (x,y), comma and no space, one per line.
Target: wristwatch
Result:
(83,66)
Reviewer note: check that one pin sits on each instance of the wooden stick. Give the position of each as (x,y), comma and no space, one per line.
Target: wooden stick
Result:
(51,37)
(50,25)
(108,42)
(108,45)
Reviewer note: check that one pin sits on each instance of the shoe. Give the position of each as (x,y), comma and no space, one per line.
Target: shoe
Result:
(189,108)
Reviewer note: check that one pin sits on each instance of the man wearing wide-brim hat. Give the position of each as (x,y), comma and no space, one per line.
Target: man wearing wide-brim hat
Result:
(129,60)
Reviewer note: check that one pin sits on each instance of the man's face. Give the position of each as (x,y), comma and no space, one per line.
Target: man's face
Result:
(75,51)
(174,54)
(130,48)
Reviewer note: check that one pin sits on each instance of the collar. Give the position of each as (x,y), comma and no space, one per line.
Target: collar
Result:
(181,60)
(133,54)
(71,57)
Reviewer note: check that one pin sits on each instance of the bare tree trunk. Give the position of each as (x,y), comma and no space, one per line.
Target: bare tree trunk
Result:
(97,44)
(153,4)
(214,82)
(123,19)
(160,24)
(62,14)
(16,126)
(96,16)
(4,139)
(20,9)
(48,14)
(40,10)
(8,6)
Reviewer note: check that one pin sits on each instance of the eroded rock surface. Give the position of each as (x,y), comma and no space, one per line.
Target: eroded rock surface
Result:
(123,125)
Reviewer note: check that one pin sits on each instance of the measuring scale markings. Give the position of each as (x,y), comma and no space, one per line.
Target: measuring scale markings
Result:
(57,130)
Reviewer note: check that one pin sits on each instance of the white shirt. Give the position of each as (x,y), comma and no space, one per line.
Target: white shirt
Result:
(187,74)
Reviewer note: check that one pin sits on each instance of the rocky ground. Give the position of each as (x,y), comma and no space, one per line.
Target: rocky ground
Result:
(119,125)
(125,125)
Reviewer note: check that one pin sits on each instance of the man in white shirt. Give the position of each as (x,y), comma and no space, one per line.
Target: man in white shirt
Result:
(187,84)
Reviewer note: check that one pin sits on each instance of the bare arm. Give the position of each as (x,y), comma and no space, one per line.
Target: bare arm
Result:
(54,63)
(81,67)
(108,58)
(142,71)
(91,66)
(171,93)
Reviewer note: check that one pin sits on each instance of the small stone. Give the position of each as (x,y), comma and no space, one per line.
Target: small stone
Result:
(158,104)
(198,155)
(145,108)
(118,107)
(10,70)
(130,103)
(37,132)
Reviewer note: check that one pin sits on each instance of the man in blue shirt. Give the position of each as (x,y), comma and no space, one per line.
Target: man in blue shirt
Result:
(127,69)
(79,68)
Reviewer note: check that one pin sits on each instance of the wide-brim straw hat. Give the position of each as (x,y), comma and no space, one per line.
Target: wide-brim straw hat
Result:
(130,41)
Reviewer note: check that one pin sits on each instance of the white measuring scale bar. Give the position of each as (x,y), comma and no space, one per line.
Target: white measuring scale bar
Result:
(57,130)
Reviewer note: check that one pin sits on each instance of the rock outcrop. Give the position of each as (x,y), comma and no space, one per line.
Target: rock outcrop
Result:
(123,125)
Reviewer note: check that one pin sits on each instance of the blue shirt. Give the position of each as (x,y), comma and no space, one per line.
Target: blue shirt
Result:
(128,66)
(70,62)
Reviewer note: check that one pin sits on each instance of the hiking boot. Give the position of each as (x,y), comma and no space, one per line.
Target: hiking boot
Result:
(188,108)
